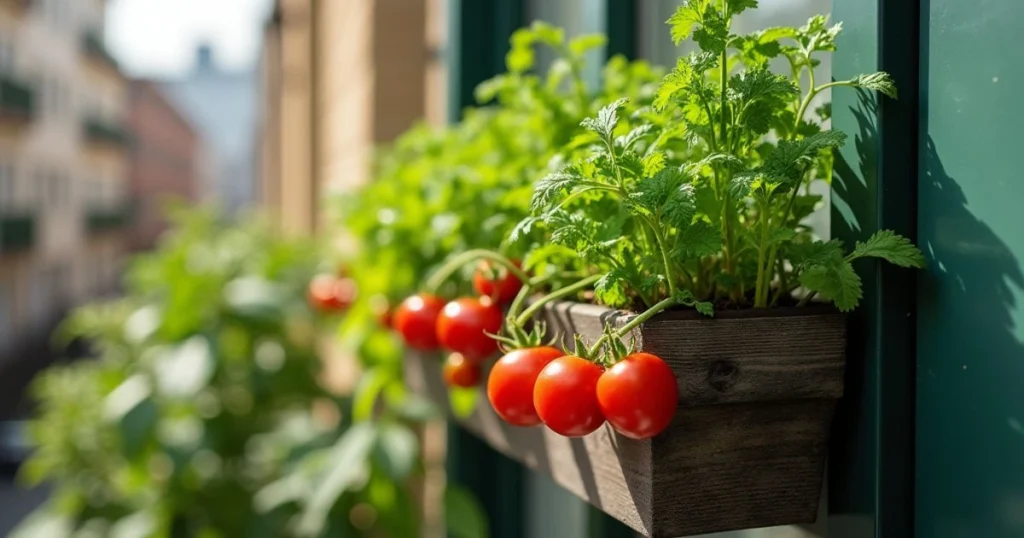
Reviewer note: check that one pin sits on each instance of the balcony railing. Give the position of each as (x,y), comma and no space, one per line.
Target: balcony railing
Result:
(17,233)
(17,99)
(103,131)
(93,47)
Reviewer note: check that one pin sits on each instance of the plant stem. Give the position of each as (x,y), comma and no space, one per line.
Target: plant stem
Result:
(446,270)
(761,248)
(665,257)
(807,100)
(555,295)
(524,292)
(633,323)
(807,298)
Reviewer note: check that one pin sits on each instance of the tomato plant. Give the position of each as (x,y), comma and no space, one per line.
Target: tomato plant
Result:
(416,320)
(511,382)
(638,395)
(565,396)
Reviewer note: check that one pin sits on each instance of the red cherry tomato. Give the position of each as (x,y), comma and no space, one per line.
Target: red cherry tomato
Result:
(328,293)
(638,395)
(510,384)
(503,288)
(416,318)
(462,325)
(459,372)
(565,396)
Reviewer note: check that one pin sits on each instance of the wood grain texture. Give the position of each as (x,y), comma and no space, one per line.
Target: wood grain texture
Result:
(746,447)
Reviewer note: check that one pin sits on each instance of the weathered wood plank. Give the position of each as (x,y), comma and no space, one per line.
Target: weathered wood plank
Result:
(746,447)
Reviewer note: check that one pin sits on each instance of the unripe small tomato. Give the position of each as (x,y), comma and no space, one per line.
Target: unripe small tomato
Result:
(328,293)
(459,372)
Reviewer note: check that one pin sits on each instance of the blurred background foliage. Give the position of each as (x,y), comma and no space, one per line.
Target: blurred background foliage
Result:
(203,412)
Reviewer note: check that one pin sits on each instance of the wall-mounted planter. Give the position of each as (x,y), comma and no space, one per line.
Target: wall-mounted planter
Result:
(747,445)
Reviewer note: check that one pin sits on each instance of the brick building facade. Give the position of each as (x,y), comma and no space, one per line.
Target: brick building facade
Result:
(163,162)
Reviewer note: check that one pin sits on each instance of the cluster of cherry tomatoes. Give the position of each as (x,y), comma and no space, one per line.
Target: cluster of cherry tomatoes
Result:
(528,386)
(330,293)
(461,326)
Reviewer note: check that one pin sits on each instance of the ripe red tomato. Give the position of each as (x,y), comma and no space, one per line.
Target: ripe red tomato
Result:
(462,324)
(503,288)
(459,372)
(510,384)
(638,395)
(328,293)
(565,396)
(415,320)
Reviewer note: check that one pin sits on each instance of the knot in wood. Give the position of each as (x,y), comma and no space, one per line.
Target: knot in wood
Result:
(722,375)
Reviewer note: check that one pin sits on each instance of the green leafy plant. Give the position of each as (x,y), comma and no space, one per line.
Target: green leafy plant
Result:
(195,416)
(700,201)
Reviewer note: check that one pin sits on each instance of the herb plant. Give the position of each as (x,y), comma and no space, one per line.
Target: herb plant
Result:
(699,199)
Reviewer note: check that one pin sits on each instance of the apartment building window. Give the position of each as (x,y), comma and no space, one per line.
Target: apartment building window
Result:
(6,312)
(6,184)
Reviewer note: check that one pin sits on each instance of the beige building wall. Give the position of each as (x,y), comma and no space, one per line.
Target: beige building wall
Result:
(341,77)
(60,176)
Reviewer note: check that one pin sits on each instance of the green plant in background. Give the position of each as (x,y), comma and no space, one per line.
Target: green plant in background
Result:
(195,418)
(722,222)
(442,191)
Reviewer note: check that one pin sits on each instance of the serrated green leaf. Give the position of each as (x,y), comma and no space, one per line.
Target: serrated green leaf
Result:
(627,141)
(739,6)
(834,280)
(781,235)
(653,163)
(720,160)
(552,186)
(891,247)
(880,81)
(791,157)
(698,240)
(705,308)
(686,80)
(713,33)
(631,164)
(523,228)
(610,288)
(685,18)
(818,252)
(606,120)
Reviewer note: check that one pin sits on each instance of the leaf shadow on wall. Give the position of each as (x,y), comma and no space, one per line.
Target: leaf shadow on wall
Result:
(967,427)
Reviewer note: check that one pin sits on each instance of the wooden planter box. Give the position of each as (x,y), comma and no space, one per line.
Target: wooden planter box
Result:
(747,446)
